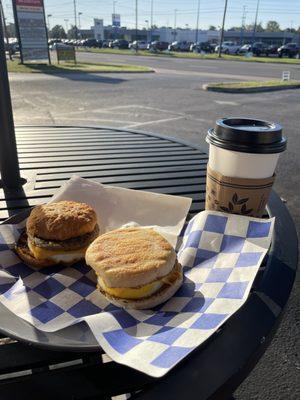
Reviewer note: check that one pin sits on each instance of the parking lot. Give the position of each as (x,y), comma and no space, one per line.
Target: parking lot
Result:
(171,101)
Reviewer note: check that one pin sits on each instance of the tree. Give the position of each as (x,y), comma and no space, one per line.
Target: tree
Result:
(72,32)
(234,29)
(212,28)
(58,32)
(272,26)
(11,30)
(259,27)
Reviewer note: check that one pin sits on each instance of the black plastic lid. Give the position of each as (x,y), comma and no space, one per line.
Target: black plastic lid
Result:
(247,135)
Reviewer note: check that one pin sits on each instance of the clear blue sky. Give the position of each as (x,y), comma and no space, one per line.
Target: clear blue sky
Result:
(286,12)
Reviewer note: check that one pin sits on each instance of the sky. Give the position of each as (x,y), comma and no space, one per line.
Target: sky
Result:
(286,12)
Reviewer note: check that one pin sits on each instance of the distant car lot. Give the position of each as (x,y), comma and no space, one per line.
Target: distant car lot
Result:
(257,49)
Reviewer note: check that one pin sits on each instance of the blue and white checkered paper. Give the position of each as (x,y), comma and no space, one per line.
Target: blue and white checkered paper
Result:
(220,254)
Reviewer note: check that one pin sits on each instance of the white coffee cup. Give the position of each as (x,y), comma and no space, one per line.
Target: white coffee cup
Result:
(245,148)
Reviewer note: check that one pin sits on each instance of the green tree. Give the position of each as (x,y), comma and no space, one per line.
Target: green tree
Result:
(58,32)
(212,28)
(234,29)
(11,30)
(72,32)
(272,26)
(259,27)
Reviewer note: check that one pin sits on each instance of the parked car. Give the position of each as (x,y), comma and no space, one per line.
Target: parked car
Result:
(105,43)
(59,45)
(140,44)
(202,46)
(228,48)
(272,50)
(91,43)
(119,44)
(257,48)
(157,45)
(289,50)
(180,46)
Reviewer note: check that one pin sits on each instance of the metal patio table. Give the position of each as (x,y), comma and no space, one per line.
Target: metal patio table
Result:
(50,155)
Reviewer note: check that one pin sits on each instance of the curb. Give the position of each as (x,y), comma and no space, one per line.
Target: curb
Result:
(249,90)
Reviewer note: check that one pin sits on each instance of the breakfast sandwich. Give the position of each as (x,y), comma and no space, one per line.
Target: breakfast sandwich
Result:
(57,233)
(135,267)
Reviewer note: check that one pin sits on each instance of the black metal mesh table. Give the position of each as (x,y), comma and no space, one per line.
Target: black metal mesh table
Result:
(49,156)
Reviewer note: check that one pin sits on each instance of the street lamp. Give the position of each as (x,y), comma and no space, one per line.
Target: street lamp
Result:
(79,24)
(67,26)
(48,20)
(147,22)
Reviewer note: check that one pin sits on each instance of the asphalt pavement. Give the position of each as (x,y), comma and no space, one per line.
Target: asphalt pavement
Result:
(172,102)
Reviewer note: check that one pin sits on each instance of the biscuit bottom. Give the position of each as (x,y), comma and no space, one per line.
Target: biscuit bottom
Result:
(143,291)
(167,290)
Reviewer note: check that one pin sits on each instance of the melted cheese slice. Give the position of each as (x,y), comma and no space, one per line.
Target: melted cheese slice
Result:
(41,253)
(141,291)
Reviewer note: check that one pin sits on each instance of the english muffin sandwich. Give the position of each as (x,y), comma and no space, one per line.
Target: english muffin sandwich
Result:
(135,267)
(57,233)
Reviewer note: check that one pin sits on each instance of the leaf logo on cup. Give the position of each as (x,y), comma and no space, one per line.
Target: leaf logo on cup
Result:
(237,202)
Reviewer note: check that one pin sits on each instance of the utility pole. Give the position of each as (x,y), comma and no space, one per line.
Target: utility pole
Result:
(5,29)
(151,21)
(136,26)
(255,22)
(243,24)
(222,31)
(197,23)
(75,20)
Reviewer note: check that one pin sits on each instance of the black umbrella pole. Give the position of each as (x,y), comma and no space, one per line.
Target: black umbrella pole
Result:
(9,164)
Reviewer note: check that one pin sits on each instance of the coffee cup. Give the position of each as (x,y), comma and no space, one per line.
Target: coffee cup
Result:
(243,154)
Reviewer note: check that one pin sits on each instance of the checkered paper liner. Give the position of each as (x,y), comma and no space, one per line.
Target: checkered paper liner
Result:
(220,254)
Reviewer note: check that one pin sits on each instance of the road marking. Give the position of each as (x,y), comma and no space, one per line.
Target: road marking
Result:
(158,121)
(230,103)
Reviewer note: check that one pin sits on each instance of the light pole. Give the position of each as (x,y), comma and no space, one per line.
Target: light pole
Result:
(48,21)
(136,25)
(75,20)
(151,21)
(255,23)
(197,23)
(79,24)
(222,31)
(67,25)
(147,22)
(243,24)
(114,18)
(175,23)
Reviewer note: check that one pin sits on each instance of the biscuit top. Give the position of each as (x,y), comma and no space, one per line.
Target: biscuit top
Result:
(130,257)
(61,220)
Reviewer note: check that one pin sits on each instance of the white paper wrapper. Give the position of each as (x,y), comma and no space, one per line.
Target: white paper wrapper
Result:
(220,253)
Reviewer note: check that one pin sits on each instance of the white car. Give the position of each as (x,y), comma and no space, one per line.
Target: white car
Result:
(141,45)
(228,48)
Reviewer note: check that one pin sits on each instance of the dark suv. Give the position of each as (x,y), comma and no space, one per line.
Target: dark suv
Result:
(289,50)
(157,45)
(120,44)
(202,46)
(257,48)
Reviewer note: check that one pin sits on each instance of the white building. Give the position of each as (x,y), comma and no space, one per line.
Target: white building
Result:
(98,29)
(189,35)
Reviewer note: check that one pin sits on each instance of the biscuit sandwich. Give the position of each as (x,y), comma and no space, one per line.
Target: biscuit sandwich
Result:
(57,233)
(135,267)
